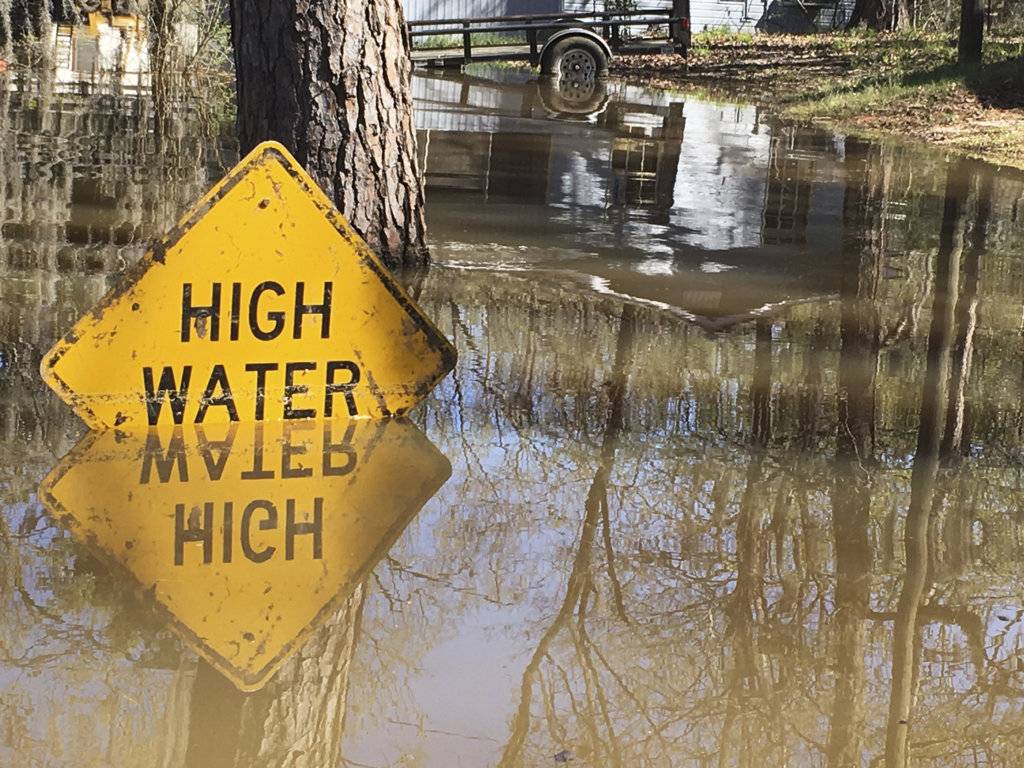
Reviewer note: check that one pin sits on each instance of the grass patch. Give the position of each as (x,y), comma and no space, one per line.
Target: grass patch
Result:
(895,67)
(918,90)
(442,42)
(708,38)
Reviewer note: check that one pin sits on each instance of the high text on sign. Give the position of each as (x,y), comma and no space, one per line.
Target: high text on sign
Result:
(224,313)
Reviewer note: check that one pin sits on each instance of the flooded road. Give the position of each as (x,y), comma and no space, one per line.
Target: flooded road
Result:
(729,472)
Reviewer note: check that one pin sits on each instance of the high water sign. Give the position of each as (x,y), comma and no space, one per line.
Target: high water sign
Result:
(262,304)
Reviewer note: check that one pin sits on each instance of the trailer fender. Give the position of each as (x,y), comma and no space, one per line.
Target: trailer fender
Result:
(577,41)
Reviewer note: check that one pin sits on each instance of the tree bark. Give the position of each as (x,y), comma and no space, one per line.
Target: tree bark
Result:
(298,719)
(972,28)
(874,14)
(330,79)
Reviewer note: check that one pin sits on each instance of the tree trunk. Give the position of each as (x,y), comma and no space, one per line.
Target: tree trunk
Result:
(905,14)
(330,80)
(296,720)
(855,451)
(873,14)
(972,28)
(935,391)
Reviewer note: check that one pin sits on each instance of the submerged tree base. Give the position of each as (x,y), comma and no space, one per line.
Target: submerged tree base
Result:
(905,84)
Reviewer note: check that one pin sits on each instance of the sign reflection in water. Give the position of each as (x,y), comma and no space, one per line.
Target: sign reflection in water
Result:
(246,537)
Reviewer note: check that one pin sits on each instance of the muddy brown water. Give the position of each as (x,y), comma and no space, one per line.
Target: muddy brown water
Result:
(735,447)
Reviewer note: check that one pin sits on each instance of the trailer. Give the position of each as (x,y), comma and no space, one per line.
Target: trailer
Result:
(578,45)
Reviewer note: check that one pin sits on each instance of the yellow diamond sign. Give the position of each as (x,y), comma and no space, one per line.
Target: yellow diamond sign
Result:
(261,305)
(246,537)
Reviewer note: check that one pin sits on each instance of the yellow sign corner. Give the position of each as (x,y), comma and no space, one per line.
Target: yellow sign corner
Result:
(261,304)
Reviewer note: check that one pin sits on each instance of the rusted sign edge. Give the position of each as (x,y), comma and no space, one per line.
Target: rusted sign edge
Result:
(245,682)
(157,255)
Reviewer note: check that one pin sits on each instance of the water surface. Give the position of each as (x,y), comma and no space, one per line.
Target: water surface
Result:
(734,443)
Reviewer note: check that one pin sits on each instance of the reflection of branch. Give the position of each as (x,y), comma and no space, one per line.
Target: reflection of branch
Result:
(582,643)
(749,590)
(579,578)
(968,621)
(468,452)
(742,603)
(420,729)
(397,566)
(655,730)
(609,554)
(580,583)
(392,602)
(81,635)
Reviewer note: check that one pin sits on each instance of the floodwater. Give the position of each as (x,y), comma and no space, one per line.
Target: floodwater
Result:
(729,472)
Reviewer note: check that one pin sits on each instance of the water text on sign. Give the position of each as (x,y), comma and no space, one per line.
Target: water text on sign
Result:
(225,313)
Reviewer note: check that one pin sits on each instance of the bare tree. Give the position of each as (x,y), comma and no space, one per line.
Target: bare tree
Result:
(855,447)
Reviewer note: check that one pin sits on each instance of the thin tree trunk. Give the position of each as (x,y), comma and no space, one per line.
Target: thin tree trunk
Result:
(972,30)
(934,395)
(330,80)
(851,489)
(905,14)
(967,318)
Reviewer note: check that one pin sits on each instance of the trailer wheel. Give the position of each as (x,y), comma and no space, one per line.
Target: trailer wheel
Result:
(575,57)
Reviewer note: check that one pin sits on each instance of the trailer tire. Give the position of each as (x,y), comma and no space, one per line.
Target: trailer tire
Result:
(576,57)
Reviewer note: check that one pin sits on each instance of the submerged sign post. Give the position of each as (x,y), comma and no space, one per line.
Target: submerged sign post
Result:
(262,304)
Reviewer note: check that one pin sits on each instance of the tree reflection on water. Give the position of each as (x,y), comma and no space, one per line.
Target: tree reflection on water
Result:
(792,539)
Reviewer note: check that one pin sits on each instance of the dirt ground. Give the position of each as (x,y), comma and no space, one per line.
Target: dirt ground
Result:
(873,85)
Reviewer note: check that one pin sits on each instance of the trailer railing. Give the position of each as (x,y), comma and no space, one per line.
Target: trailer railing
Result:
(533,29)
